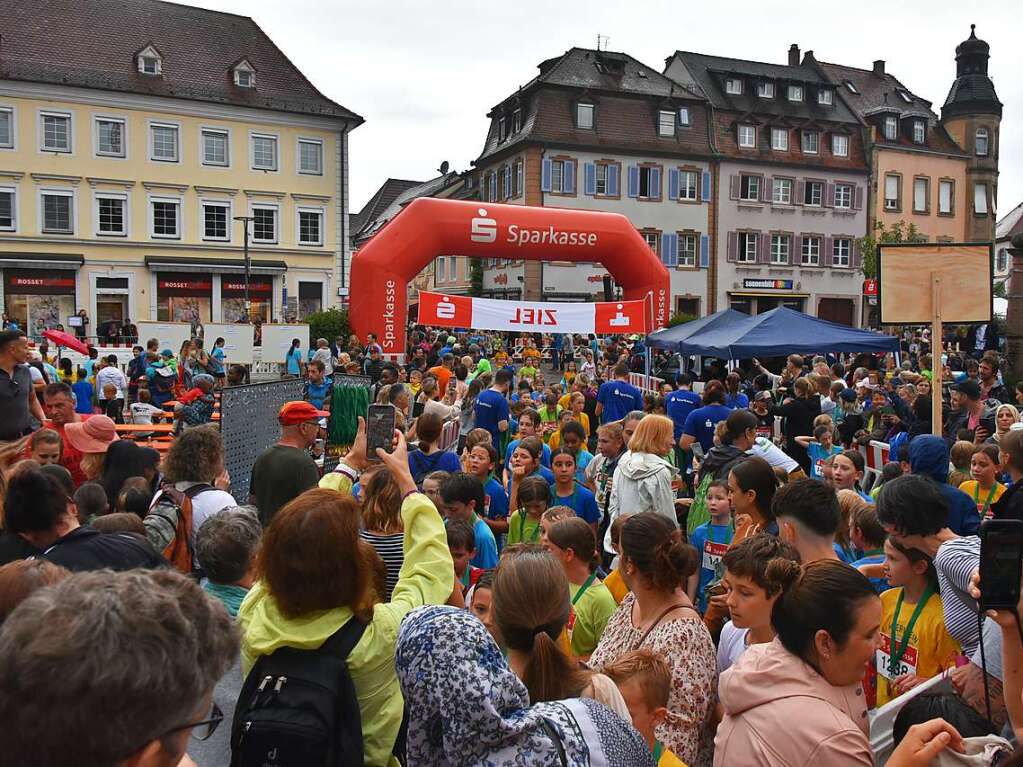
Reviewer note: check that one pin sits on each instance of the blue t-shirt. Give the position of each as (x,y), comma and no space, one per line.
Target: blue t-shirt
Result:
(545,458)
(294,357)
(498,506)
(543,471)
(486,546)
(679,404)
(702,422)
(317,393)
(83,396)
(818,455)
(582,460)
(420,464)
(619,398)
(491,408)
(88,365)
(711,542)
(739,400)
(217,356)
(879,584)
(582,502)
(846,555)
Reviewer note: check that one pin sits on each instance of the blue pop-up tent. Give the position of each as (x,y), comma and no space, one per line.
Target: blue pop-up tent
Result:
(673,338)
(781,331)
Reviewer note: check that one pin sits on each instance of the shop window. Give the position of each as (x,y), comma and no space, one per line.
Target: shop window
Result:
(232,297)
(310,298)
(184,297)
(39,299)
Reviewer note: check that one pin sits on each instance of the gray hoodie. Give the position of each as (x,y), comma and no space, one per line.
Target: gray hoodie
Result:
(642,482)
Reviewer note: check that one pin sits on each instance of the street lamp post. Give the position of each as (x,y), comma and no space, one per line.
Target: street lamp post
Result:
(248,262)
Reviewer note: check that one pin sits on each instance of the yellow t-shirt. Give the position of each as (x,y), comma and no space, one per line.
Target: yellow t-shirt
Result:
(972,488)
(589,616)
(555,441)
(616,586)
(522,528)
(930,650)
(668,758)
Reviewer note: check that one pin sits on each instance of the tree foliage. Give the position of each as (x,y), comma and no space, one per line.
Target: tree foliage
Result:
(897,232)
(475,276)
(680,318)
(329,324)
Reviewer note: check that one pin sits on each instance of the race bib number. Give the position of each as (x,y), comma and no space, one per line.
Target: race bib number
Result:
(818,468)
(712,553)
(766,432)
(907,665)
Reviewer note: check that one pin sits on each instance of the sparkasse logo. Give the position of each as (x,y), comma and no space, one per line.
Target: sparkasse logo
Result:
(483,229)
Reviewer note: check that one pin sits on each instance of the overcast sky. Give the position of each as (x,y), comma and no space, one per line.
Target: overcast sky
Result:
(425,74)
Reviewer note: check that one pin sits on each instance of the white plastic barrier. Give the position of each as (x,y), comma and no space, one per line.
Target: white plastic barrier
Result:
(875,456)
(449,436)
(171,335)
(277,340)
(237,341)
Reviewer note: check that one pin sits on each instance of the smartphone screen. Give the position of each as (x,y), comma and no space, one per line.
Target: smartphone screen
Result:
(379,429)
(1001,550)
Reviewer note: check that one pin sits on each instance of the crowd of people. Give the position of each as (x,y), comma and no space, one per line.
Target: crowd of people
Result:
(700,571)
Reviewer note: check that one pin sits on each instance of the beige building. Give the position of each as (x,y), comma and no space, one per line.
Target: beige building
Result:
(129,149)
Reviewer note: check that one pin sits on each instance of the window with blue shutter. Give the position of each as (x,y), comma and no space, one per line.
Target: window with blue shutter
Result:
(589,178)
(633,181)
(672,183)
(507,183)
(568,182)
(612,180)
(704,251)
(545,176)
(705,189)
(493,187)
(655,184)
(669,249)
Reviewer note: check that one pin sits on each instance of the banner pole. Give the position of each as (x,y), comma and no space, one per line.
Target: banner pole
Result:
(646,346)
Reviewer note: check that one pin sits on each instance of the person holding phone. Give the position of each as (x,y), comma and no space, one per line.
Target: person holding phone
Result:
(976,415)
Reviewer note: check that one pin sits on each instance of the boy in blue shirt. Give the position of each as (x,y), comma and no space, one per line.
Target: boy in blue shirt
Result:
(317,385)
(711,541)
(464,499)
(820,448)
(868,537)
(83,393)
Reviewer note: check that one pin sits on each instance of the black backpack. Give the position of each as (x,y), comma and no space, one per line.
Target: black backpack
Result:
(298,708)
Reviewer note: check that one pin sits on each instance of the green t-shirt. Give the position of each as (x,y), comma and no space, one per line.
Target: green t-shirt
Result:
(279,475)
(522,528)
(590,614)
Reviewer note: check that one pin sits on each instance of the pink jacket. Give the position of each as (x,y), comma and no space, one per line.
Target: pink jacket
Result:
(779,712)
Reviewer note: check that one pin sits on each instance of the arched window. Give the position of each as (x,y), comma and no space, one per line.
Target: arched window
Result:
(980,142)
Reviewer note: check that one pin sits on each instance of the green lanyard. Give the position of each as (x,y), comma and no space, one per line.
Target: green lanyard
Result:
(522,529)
(583,588)
(987,503)
(466,576)
(658,750)
(896,651)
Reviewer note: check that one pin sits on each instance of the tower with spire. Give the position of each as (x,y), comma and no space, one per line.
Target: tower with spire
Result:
(972,115)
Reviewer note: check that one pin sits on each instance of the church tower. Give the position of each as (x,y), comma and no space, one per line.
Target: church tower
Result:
(972,115)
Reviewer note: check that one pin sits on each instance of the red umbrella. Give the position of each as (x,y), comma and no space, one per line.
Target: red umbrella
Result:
(66,340)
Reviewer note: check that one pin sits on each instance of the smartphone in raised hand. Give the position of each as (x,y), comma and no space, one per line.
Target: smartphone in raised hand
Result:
(1001,555)
(380,429)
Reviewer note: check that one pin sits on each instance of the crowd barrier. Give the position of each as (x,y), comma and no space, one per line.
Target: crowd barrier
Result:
(875,456)
(646,384)
(449,436)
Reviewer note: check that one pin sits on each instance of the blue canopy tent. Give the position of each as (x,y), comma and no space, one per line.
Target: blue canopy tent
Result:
(674,338)
(782,331)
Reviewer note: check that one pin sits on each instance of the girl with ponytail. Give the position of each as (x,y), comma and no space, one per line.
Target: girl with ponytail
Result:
(656,614)
(530,608)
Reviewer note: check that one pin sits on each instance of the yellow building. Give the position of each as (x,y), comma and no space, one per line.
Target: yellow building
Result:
(132,138)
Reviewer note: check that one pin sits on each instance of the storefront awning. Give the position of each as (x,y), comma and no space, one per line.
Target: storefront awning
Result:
(213,265)
(41,260)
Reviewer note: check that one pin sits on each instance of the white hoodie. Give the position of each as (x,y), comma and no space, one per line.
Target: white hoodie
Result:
(641,482)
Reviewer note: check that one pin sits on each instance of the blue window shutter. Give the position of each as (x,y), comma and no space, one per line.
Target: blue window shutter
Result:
(633,181)
(545,176)
(655,183)
(706,186)
(704,250)
(589,178)
(493,187)
(612,180)
(568,182)
(507,183)
(672,183)
(669,249)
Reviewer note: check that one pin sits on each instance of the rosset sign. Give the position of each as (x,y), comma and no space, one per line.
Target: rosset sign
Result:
(607,317)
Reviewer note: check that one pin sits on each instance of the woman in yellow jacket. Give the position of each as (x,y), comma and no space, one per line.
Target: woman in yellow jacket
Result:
(315,575)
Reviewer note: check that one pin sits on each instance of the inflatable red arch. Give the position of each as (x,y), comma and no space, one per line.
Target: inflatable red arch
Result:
(429,227)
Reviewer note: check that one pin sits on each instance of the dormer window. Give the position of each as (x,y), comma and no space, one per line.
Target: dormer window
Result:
(683,117)
(795,93)
(501,129)
(666,122)
(765,90)
(891,128)
(919,131)
(904,96)
(825,97)
(150,62)
(733,86)
(584,116)
(244,74)
(516,121)
(851,87)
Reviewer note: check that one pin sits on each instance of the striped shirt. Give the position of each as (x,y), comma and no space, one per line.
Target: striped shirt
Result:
(389,547)
(955,562)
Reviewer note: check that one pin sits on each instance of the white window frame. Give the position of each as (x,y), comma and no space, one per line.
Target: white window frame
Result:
(891,128)
(319,211)
(810,141)
(980,195)
(846,191)
(251,75)
(653,241)
(684,118)
(253,136)
(13,191)
(810,251)
(598,180)
(590,111)
(684,187)
(164,125)
(751,132)
(781,191)
(688,256)
(779,139)
(919,132)
(151,214)
(781,249)
(895,201)
(754,180)
(215,203)
(925,183)
(733,86)
(12,116)
(214,130)
(96,120)
(795,93)
(825,97)
(742,247)
(58,192)
(557,171)
(277,222)
(807,186)
(516,121)
(765,90)
(835,251)
(979,134)
(839,145)
(440,270)
(950,186)
(666,122)
(318,142)
(125,199)
(70,117)
(143,57)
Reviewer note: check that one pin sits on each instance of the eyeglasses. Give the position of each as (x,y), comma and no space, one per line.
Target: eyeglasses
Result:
(202,730)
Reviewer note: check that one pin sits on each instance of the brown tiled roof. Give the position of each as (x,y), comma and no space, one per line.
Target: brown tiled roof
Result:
(93,44)
(388,192)
(884,92)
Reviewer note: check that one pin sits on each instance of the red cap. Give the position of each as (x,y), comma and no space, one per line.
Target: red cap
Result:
(299,411)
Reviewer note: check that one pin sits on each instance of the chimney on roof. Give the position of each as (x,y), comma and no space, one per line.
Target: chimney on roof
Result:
(808,59)
(879,67)
(794,55)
